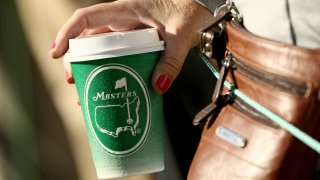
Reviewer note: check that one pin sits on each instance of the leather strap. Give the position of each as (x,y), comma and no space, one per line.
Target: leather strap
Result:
(211,5)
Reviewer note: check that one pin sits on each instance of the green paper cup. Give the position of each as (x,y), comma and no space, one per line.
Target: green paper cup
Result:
(123,115)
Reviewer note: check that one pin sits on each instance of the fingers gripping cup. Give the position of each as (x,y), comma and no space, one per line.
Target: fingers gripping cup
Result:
(123,115)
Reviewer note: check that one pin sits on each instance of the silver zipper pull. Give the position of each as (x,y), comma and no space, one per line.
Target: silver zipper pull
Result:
(218,100)
(226,65)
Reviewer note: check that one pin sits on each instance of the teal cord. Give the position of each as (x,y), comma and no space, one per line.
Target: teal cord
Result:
(302,136)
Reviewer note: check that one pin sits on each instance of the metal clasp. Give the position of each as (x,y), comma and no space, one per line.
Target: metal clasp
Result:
(215,28)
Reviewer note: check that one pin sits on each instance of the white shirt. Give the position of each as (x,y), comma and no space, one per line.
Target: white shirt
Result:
(269,19)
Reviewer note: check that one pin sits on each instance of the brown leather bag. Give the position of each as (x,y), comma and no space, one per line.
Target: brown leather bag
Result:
(244,144)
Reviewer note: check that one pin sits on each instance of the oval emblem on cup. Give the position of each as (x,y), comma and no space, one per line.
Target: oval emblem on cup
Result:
(117,104)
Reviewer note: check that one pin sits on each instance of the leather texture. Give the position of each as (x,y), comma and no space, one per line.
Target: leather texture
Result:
(270,151)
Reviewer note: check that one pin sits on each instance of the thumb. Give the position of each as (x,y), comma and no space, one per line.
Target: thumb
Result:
(170,63)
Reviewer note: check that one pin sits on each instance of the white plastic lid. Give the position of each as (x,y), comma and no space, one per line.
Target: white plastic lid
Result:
(113,44)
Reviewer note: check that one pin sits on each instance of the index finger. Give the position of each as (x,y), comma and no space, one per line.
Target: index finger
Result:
(96,16)
(81,19)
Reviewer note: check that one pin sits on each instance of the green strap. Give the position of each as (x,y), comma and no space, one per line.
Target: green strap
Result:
(302,136)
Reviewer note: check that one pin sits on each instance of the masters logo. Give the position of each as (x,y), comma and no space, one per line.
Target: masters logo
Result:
(118,109)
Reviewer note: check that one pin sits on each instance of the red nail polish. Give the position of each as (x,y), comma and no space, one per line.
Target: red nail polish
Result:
(53,45)
(163,83)
(69,78)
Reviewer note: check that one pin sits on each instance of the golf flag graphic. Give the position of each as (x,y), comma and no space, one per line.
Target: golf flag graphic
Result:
(121,83)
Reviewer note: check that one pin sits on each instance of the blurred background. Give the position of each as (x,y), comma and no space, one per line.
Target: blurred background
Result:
(42,133)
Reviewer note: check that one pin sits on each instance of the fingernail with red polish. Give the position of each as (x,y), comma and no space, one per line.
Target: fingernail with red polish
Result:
(53,45)
(163,83)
